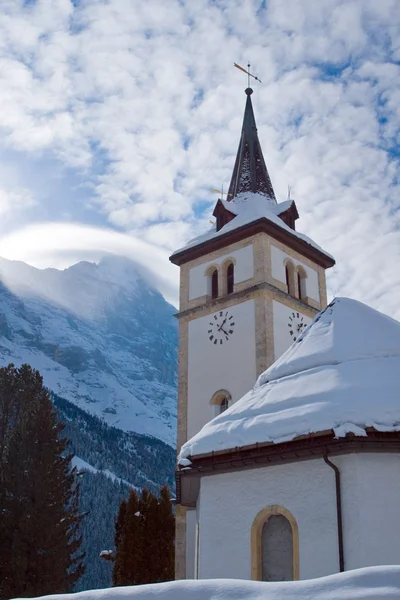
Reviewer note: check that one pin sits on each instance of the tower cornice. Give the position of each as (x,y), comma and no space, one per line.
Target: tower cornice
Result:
(261,225)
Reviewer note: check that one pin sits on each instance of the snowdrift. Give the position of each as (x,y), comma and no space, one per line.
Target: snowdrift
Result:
(372,583)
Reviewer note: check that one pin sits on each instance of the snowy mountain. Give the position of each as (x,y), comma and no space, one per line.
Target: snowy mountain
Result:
(102,337)
(110,462)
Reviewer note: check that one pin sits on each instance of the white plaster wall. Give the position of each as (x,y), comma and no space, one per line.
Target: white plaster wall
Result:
(230,366)
(244,269)
(370,496)
(230,503)
(278,258)
(190,543)
(282,337)
(370,501)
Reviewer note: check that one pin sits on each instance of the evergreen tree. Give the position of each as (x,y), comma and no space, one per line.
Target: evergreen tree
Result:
(118,571)
(127,534)
(39,521)
(144,539)
(147,541)
(165,536)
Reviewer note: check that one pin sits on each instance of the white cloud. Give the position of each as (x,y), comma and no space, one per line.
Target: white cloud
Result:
(143,101)
(60,245)
(13,201)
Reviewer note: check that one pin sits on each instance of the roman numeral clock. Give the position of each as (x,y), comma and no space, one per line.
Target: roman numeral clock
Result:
(221,327)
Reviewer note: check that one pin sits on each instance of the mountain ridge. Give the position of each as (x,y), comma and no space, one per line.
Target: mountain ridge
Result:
(101,336)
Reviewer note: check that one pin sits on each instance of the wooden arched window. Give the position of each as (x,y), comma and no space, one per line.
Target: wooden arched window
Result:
(230,278)
(214,284)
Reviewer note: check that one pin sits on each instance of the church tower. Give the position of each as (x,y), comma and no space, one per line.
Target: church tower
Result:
(248,287)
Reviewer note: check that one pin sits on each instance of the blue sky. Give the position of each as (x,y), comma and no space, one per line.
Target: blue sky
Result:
(117,117)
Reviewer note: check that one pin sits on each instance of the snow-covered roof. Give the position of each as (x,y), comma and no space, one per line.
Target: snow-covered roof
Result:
(341,374)
(249,207)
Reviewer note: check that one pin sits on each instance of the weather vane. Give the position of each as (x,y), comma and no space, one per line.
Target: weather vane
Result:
(215,191)
(247,73)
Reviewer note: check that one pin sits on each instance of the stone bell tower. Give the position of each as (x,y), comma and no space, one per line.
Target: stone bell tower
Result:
(248,287)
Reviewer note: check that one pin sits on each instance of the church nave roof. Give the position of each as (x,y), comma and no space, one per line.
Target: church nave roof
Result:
(342,375)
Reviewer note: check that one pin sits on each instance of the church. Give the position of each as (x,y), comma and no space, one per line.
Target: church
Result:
(300,476)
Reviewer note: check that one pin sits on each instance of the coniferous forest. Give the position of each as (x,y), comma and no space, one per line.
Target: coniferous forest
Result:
(119,460)
(55,519)
(39,519)
(144,539)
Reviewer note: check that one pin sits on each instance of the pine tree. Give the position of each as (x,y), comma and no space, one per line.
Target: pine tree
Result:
(147,572)
(127,536)
(144,539)
(118,571)
(39,521)
(165,532)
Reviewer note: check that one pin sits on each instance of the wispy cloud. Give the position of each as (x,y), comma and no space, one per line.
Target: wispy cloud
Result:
(60,245)
(140,107)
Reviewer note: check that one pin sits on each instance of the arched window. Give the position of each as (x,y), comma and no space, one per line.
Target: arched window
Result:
(230,271)
(224,404)
(301,283)
(214,284)
(221,400)
(277,549)
(274,545)
(287,276)
(290,279)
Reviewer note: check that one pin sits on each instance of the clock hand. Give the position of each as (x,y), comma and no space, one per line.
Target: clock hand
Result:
(222,324)
(222,329)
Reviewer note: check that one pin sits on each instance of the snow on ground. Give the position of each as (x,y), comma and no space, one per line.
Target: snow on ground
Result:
(373,583)
(342,373)
(249,207)
(82,465)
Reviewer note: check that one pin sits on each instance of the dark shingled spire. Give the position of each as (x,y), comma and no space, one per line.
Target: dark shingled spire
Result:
(250,173)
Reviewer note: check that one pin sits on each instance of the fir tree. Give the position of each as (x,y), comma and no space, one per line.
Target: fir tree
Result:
(39,521)
(144,539)
(165,535)
(127,534)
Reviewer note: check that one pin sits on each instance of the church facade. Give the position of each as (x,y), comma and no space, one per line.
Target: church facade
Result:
(248,288)
(301,477)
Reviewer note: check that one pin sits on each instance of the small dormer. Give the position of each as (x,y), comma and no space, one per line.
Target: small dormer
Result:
(290,215)
(222,214)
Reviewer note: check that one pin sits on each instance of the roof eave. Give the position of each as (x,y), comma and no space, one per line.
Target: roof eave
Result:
(261,225)
(303,448)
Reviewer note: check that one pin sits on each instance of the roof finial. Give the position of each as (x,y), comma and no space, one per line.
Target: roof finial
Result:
(248,90)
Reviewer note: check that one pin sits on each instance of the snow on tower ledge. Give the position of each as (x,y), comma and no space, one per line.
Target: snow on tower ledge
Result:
(342,374)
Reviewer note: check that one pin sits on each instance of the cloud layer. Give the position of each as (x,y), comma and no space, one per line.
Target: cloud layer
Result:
(129,112)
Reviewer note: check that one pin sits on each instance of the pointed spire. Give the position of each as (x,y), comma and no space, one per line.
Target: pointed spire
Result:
(250,173)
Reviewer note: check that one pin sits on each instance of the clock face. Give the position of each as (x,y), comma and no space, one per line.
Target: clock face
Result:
(296,325)
(221,327)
